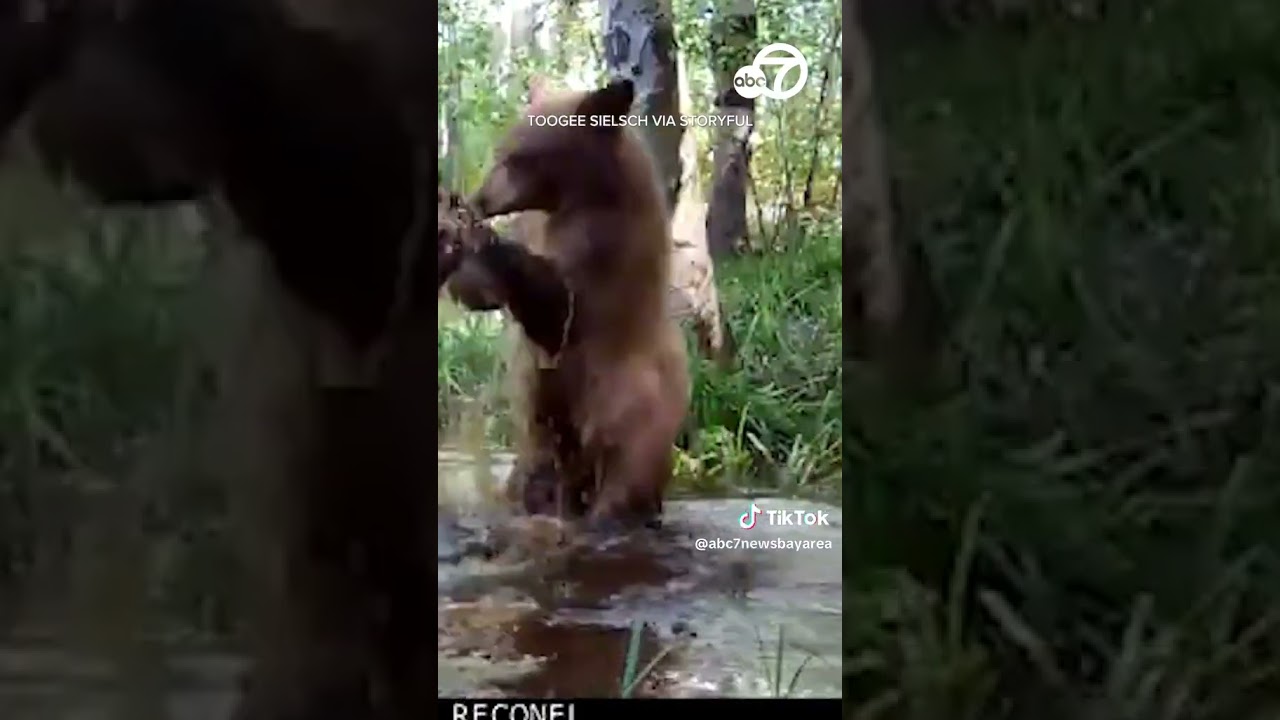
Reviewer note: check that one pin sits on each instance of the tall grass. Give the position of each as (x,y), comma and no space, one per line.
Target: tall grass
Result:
(1089,526)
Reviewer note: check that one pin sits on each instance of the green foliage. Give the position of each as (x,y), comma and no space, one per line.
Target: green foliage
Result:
(484,79)
(782,401)
(1089,526)
(469,375)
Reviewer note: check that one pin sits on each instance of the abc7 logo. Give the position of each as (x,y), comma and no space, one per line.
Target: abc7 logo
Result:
(750,80)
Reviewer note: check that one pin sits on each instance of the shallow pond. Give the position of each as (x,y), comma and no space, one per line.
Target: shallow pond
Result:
(526,611)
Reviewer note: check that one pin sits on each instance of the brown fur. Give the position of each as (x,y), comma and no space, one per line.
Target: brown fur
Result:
(597,423)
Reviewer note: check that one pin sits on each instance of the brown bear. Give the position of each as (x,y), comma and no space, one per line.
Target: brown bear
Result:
(598,420)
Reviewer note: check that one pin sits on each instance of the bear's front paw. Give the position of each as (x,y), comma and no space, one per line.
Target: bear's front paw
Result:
(449,254)
(459,235)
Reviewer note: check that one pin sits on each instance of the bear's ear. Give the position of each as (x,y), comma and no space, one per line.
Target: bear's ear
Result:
(612,100)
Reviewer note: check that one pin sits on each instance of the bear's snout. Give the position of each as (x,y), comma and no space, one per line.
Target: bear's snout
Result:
(500,194)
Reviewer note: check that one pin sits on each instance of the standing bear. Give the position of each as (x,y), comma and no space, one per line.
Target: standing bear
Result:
(597,412)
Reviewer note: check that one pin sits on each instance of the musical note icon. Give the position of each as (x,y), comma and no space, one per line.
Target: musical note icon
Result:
(748,519)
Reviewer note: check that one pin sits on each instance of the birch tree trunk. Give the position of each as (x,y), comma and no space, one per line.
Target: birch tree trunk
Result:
(733,41)
(640,44)
(693,293)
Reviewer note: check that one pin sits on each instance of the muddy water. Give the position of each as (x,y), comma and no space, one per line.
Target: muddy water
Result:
(529,608)
(532,608)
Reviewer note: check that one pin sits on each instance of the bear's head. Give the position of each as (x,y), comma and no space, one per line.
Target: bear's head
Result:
(563,152)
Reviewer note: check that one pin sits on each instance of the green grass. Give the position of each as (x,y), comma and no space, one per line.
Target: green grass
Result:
(1088,526)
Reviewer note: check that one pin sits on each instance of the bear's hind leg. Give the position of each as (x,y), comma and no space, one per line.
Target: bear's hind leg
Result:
(543,489)
(632,486)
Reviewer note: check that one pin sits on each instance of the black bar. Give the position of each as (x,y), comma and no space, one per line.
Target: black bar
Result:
(621,709)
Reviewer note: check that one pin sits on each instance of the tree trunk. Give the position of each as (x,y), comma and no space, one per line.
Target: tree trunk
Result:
(733,40)
(896,318)
(819,113)
(693,285)
(640,44)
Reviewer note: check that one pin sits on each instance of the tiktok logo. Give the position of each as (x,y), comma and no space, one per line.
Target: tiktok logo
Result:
(806,518)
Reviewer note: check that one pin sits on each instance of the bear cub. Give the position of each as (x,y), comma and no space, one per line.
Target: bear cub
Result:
(599,419)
